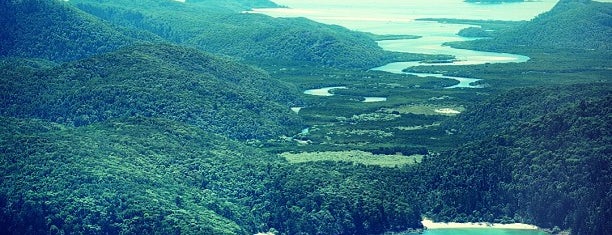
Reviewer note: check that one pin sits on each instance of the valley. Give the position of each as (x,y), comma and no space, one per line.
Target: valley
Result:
(211,117)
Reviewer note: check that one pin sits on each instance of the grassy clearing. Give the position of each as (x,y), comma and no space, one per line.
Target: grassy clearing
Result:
(354,156)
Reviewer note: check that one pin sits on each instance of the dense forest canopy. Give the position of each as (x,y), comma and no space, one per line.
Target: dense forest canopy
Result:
(153,80)
(55,31)
(168,117)
(542,153)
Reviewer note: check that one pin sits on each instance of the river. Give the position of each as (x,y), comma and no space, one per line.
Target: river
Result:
(399,18)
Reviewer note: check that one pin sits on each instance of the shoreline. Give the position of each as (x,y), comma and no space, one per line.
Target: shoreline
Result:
(429,224)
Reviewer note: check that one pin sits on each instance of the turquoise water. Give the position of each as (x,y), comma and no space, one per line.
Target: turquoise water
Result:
(485,231)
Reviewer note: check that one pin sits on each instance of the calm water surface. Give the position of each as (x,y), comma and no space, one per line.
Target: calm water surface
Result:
(399,17)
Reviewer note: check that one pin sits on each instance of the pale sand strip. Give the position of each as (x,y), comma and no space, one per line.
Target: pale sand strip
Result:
(429,224)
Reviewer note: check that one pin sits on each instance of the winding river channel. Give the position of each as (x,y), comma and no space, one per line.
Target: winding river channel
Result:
(400,18)
(396,17)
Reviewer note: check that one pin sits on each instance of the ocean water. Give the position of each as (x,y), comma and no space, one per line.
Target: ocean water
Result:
(399,17)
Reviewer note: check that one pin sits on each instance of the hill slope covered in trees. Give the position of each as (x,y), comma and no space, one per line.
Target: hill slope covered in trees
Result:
(156,176)
(178,83)
(56,31)
(535,154)
(104,130)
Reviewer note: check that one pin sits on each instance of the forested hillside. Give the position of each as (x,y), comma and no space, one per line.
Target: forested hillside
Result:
(539,152)
(151,175)
(540,155)
(135,175)
(150,117)
(152,80)
(55,31)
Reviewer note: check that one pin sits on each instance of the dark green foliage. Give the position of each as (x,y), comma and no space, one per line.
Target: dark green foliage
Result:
(155,176)
(157,81)
(131,176)
(540,155)
(55,31)
(520,105)
(338,199)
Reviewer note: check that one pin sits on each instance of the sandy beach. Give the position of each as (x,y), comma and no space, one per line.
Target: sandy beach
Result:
(429,224)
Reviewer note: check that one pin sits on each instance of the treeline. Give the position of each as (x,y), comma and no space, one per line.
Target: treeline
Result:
(536,155)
